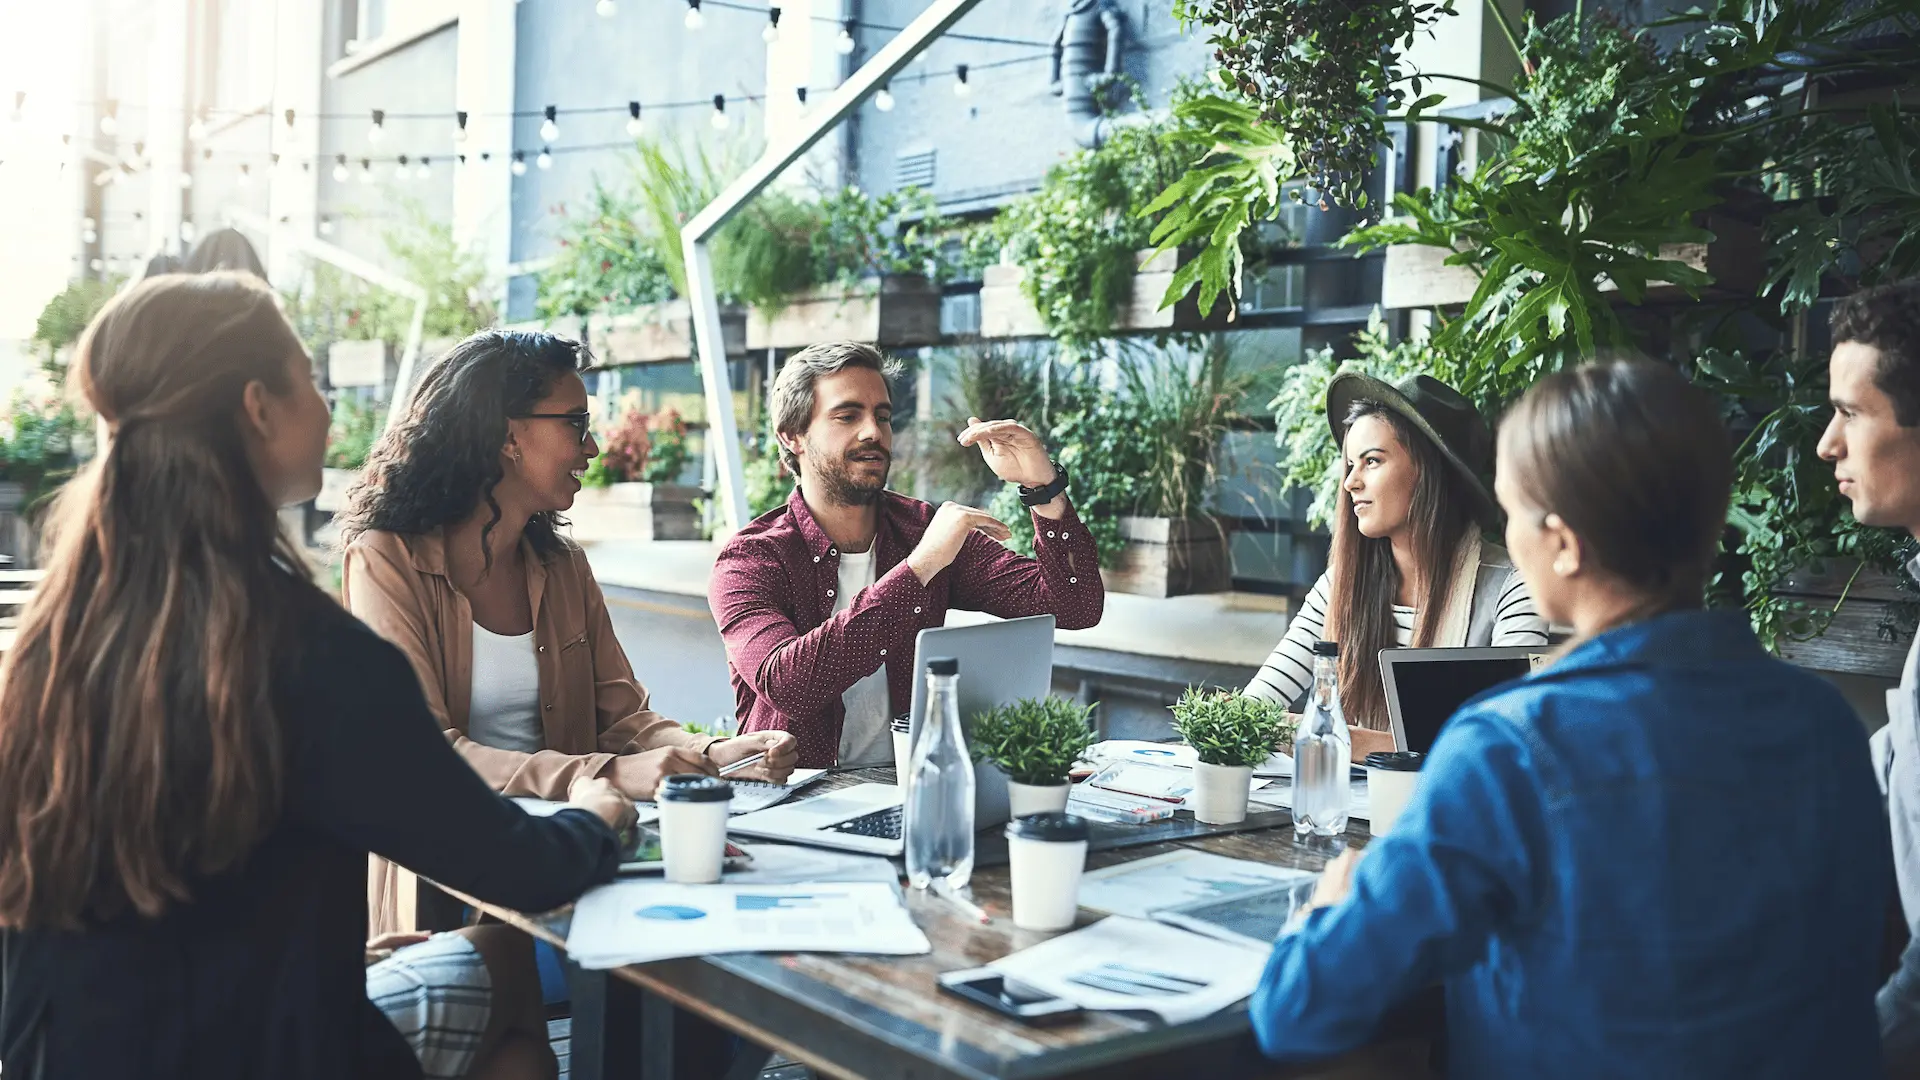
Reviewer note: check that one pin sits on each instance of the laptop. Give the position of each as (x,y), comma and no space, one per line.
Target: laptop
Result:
(1426,686)
(1000,662)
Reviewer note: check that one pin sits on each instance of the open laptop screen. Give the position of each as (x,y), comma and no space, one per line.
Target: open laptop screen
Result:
(1426,686)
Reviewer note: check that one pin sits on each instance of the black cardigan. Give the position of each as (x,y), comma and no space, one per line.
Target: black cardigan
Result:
(261,974)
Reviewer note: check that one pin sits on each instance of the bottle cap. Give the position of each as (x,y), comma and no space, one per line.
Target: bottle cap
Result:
(1396,761)
(1326,648)
(692,787)
(943,665)
(1054,827)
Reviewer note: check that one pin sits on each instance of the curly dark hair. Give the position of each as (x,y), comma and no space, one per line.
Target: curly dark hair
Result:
(1887,317)
(433,467)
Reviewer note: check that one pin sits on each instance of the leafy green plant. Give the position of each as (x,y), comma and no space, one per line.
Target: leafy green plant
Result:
(623,448)
(67,314)
(1226,728)
(350,437)
(1033,740)
(667,455)
(605,262)
(43,439)
(331,305)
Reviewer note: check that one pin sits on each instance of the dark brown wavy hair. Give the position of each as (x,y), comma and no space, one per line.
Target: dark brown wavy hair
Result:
(140,747)
(1366,581)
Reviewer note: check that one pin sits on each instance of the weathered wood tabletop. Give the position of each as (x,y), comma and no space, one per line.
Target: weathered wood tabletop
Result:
(875,1016)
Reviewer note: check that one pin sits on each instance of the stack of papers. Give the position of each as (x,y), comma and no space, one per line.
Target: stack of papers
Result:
(636,922)
(1175,753)
(1124,965)
(1144,886)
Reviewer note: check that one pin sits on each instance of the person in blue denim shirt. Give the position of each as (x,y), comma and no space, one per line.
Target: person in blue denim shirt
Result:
(1661,856)
(1873,441)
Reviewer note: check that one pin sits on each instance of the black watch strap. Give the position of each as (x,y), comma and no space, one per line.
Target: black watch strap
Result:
(1046,493)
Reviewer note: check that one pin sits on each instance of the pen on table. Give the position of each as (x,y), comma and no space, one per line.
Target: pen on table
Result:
(728,770)
(949,894)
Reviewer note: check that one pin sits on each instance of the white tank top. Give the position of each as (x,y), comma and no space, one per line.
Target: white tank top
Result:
(505,712)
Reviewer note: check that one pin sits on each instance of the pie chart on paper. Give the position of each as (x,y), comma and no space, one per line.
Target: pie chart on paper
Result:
(671,913)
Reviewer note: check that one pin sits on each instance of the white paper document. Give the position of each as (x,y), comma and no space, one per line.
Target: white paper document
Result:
(788,864)
(1177,754)
(1121,964)
(1141,887)
(636,922)
(1280,793)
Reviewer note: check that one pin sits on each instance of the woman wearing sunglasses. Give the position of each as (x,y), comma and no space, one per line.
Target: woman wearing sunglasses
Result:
(453,552)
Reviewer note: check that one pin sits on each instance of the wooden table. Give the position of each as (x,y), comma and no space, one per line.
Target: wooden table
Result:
(872,1016)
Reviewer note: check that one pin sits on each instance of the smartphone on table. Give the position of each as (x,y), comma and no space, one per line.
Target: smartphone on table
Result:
(987,987)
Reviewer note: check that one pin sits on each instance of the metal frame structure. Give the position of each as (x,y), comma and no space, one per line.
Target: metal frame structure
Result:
(709,335)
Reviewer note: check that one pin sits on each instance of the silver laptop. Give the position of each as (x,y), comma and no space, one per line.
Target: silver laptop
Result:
(1426,686)
(1000,662)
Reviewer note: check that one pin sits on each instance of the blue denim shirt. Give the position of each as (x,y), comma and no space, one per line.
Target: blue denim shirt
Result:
(1664,856)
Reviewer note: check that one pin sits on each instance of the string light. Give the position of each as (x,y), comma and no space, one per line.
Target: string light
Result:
(288,116)
(246,175)
(545,160)
(844,43)
(550,127)
(89,236)
(634,125)
(425,171)
(339,168)
(519,165)
(460,126)
(400,170)
(606,9)
(198,129)
(883,100)
(961,88)
(110,119)
(326,225)
(186,180)
(366,170)
(379,128)
(719,119)
(771,32)
(694,20)
(801,93)
(187,232)
(97,265)
(20,100)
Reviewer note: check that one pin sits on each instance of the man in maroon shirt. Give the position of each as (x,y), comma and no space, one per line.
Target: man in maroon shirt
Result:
(819,601)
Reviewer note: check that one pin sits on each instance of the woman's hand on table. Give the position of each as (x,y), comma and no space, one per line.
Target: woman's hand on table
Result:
(783,753)
(639,775)
(1336,881)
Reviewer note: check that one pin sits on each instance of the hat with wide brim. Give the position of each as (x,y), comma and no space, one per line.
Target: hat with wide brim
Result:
(1437,411)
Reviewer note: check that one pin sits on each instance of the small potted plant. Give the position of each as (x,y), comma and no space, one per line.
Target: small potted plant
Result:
(1232,734)
(1035,741)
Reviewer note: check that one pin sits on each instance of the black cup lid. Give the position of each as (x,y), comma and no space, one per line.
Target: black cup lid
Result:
(692,787)
(1396,761)
(943,665)
(1053,826)
(1326,648)
(903,722)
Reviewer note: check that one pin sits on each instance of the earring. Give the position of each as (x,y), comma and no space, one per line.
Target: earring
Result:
(1563,567)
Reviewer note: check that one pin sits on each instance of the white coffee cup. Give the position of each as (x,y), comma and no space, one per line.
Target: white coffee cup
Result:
(1046,854)
(902,751)
(693,826)
(1391,778)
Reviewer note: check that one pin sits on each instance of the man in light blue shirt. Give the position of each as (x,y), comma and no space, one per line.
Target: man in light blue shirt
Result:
(1873,441)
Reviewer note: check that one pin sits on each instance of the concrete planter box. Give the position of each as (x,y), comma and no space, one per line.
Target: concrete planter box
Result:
(901,311)
(1171,557)
(1005,311)
(635,512)
(1417,275)
(658,332)
(1853,643)
(334,485)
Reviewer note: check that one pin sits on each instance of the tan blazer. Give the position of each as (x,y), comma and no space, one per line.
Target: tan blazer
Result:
(592,708)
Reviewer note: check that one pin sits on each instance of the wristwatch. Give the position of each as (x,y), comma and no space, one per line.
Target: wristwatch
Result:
(1045,493)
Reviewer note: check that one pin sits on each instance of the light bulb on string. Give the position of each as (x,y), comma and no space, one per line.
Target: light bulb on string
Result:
(770,33)
(425,171)
(719,119)
(326,225)
(288,117)
(97,265)
(186,180)
(400,169)
(693,20)
(460,126)
(550,127)
(883,100)
(89,224)
(366,170)
(187,232)
(606,9)
(519,165)
(110,119)
(246,175)
(635,126)
(90,237)
(340,174)
(800,94)
(545,160)
(844,44)
(379,129)
(961,87)
(20,104)
(197,130)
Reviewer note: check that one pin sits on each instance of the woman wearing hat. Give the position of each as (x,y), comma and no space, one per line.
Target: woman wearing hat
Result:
(1408,566)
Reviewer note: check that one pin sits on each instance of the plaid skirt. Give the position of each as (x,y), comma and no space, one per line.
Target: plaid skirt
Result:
(438,994)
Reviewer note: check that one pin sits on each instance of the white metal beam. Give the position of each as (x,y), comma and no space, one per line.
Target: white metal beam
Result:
(709,335)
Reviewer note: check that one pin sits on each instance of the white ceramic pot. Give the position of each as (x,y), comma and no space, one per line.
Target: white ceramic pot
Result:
(1220,793)
(1024,799)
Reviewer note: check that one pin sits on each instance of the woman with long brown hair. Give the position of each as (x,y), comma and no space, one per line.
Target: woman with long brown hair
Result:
(198,748)
(1408,566)
(1662,856)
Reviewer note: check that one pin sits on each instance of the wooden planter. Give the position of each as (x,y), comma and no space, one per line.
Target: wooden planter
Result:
(1417,276)
(635,512)
(1171,557)
(18,536)
(892,311)
(1853,643)
(334,485)
(658,332)
(1005,311)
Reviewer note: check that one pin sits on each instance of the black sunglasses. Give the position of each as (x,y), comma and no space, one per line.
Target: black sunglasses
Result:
(582,421)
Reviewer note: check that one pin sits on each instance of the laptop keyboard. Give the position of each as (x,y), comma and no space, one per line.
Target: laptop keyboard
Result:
(880,824)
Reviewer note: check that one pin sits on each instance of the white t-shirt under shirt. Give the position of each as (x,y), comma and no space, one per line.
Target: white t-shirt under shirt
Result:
(505,712)
(866,736)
